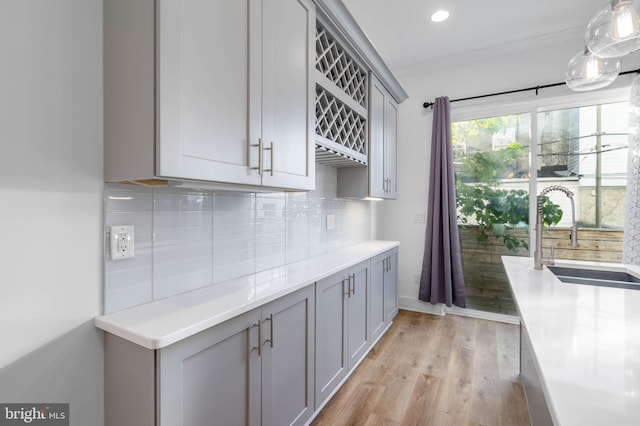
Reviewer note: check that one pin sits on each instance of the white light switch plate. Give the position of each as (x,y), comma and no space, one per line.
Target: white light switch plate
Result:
(121,242)
(331,222)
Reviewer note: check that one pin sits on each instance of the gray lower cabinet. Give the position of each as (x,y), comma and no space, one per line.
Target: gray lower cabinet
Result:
(331,335)
(288,359)
(274,365)
(358,313)
(390,271)
(342,322)
(378,313)
(212,377)
(254,369)
(384,292)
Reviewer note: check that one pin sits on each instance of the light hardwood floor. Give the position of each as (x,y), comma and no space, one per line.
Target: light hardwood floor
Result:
(432,370)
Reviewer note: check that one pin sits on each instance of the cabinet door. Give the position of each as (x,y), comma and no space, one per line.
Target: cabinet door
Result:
(205,62)
(358,313)
(288,359)
(377,184)
(288,110)
(391,148)
(391,285)
(331,338)
(377,311)
(212,377)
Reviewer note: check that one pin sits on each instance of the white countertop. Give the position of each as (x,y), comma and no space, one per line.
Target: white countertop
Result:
(158,324)
(586,341)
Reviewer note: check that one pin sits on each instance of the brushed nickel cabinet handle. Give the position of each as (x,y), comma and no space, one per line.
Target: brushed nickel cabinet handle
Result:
(348,293)
(353,277)
(271,154)
(260,149)
(259,347)
(270,339)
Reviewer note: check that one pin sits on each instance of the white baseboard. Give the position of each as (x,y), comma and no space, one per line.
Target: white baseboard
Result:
(413,304)
(417,305)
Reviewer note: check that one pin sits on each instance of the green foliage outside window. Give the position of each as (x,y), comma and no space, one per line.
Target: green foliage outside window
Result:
(496,211)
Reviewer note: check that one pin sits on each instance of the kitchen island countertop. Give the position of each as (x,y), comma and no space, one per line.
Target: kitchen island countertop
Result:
(586,344)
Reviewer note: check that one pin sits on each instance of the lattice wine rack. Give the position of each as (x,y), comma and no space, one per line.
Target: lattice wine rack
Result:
(341,99)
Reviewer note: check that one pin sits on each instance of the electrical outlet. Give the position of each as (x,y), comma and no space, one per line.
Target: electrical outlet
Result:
(122,242)
(331,222)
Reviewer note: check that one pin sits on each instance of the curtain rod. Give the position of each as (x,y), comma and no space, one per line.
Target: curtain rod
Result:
(527,89)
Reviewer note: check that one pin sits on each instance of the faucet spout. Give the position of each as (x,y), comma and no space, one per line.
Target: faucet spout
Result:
(538,257)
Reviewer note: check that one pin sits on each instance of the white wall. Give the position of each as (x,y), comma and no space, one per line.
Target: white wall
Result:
(509,67)
(51,204)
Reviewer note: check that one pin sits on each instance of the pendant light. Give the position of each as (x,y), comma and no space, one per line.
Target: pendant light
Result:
(587,71)
(615,30)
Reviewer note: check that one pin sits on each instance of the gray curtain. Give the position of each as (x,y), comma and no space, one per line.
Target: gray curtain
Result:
(442,280)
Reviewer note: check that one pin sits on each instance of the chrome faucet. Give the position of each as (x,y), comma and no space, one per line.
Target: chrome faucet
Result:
(538,257)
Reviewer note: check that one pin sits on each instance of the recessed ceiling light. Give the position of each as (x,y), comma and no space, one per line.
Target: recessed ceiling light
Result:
(440,16)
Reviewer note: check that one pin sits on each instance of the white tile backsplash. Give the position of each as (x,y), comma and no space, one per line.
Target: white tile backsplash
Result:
(297,233)
(129,282)
(234,235)
(187,239)
(182,241)
(270,231)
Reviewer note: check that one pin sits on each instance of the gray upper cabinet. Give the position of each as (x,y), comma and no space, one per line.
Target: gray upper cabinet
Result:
(215,91)
(372,170)
(390,166)
(379,178)
(288,95)
(383,123)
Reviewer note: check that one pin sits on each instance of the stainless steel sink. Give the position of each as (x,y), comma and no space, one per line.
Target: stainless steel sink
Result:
(616,279)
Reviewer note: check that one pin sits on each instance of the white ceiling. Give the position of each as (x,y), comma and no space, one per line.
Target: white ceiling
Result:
(403,34)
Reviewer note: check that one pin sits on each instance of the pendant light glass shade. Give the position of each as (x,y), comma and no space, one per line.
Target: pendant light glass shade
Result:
(587,71)
(615,30)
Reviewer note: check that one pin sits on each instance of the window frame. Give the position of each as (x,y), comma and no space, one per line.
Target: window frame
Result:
(550,102)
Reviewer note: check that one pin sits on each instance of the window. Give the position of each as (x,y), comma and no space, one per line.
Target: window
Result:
(583,148)
(491,162)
